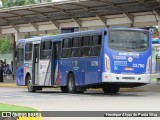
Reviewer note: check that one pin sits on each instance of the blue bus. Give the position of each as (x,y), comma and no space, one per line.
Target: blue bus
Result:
(156,58)
(105,58)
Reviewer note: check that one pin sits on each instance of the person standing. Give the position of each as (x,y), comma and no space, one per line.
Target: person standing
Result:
(5,62)
(8,71)
(1,73)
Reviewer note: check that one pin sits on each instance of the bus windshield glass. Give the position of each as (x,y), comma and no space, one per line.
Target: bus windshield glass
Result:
(129,41)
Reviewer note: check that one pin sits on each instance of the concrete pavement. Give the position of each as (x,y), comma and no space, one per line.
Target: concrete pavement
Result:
(141,98)
(9,82)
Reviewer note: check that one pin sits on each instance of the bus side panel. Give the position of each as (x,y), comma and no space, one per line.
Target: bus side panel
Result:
(150,49)
(79,78)
(92,70)
(64,71)
(20,75)
(27,69)
(104,50)
(78,68)
(57,77)
(44,73)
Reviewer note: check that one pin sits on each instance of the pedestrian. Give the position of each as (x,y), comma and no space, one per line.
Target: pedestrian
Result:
(5,61)
(3,66)
(1,73)
(8,71)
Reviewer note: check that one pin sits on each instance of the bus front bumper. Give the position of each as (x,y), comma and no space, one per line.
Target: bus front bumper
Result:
(125,78)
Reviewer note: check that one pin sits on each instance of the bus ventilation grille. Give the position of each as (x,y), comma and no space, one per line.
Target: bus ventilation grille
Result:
(131,78)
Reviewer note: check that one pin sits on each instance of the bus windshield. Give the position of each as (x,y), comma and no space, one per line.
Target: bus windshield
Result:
(123,40)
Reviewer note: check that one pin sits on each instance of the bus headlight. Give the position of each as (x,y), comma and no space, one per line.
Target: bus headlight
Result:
(107,63)
(148,66)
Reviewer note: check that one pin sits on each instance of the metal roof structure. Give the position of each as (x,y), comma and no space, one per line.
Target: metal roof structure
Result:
(79,13)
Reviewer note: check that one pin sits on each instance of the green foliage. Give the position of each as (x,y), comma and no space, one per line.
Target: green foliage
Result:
(155,32)
(5,46)
(7,107)
(49,0)
(30,2)
(40,1)
(4,3)
(11,3)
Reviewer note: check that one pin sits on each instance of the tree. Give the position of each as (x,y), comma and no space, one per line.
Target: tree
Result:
(155,32)
(11,3)
(41,1)
(5,46)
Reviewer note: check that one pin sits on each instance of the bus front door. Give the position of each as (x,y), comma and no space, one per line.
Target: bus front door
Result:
(55,71)
(35,64)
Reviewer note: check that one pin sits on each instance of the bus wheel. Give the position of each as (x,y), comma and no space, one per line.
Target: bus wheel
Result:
(113,89)
(30,87)
(64,89)
(71,84)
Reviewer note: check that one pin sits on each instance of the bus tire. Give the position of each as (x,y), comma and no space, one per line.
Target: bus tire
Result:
(111,89)
(64,89)
(38,88)
(71,84)
(80,90)
(30,87)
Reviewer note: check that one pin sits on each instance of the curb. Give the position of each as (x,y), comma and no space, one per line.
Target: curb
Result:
(121,89)
(11,85)
(30,118)
(131,90)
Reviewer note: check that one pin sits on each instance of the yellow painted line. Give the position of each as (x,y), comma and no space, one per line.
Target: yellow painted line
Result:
(11,85)
(122,89)
(39,117)
(131,90)
(99,89)
(30,118)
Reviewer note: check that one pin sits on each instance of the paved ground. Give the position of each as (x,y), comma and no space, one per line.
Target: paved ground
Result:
(53,100)
(8,79)
(146,98)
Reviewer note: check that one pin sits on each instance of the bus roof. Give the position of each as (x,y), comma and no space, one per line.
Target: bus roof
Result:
(29,39)
(59,37)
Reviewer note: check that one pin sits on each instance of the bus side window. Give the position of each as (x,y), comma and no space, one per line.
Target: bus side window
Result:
(75,47)
(20,52)
(20,55)
(66,47)
(57,51)
(46,50)
(85,49)
(96,45)
(28,51)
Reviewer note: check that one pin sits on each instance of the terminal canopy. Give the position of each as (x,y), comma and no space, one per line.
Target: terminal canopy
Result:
(79,12)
